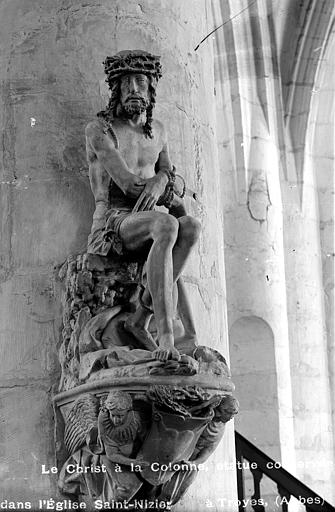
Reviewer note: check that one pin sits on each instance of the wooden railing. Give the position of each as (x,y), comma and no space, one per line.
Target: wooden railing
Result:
(287,485)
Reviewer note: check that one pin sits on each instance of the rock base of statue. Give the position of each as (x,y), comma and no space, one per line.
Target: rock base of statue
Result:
(132,431)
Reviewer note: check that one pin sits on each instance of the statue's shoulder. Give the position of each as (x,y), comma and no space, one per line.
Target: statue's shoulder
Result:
(93,127)
(99,133)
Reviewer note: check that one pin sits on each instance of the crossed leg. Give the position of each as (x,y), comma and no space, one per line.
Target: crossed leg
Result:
(170,242)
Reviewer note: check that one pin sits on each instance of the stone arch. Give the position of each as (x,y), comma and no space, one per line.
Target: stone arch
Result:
(253,365)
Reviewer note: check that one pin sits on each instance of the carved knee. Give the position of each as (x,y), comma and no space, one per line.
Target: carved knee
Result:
(189,230)
(166,228)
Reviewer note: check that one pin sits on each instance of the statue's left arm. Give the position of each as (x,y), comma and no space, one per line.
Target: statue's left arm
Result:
(177,209)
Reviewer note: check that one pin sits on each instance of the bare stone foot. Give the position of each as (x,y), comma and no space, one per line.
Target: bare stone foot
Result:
(141,334)
(166,350)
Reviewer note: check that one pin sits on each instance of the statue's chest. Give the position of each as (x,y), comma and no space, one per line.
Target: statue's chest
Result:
(138,150)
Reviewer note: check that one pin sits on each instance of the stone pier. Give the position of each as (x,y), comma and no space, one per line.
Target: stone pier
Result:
(52,85)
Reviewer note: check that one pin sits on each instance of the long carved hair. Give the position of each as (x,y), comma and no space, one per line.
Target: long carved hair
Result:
(110,111)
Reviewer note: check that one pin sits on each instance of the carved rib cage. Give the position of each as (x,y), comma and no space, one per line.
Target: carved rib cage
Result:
(80,421)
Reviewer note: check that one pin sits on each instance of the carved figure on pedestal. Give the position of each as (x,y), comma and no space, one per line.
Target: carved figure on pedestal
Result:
(131,173)
(118,453)
(211,436)
(143,405)
(102,437)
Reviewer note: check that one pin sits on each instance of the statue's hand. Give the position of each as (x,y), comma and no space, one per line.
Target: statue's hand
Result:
(135,188)
(153,190)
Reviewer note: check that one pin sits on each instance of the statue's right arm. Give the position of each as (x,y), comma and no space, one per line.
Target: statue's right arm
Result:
(111,160)
(178,208)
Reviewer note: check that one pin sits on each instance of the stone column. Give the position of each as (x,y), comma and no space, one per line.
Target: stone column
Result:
(246,82)
(52,85)
(269,135)
(309,243)
(323,155)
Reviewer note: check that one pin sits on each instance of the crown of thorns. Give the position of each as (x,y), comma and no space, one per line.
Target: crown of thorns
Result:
(132,61)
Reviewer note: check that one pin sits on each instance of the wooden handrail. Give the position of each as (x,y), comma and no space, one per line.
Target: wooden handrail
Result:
(287,484)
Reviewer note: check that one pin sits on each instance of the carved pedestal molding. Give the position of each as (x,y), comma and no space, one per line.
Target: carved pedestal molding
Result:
(130,429)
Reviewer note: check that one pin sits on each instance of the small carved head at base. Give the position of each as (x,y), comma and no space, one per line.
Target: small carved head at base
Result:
(117,404)
(227,408)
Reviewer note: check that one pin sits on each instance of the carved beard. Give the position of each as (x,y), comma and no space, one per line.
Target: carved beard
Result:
(122,434)
(134,109)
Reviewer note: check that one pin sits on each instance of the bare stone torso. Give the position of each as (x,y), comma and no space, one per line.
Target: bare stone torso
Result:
(139,153)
